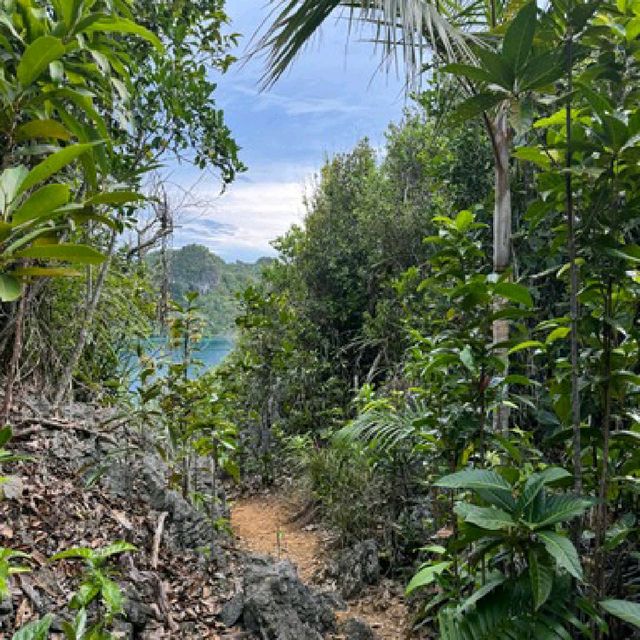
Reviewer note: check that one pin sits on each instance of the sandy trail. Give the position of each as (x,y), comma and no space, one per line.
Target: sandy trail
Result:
(263,525)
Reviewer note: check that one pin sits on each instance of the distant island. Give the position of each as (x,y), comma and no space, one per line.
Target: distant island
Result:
(195,268)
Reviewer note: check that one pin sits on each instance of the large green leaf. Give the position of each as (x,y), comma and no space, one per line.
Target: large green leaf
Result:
(490,518)
(46,272)
(474,479)
(42,201)
(541,70)
(541,577)
(623,609)
(36,58)
(79,253)
(560,509)
(10,181)
(53,164)
(122,25)
(42,129)
(10,288)
(514,292)
(561,549)
(532,487)
(468,71)
(497,66)
(426,576)
(36,630)
(475,106)
(518,39)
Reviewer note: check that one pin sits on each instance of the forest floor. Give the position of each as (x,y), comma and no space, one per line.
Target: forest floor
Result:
(267,524)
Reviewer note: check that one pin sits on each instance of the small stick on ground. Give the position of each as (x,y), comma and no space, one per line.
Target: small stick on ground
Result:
(157,538)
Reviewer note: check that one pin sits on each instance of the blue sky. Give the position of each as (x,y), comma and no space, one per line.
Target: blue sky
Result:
(330,99)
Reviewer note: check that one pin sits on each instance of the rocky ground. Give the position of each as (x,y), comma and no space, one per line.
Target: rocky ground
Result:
(182,582)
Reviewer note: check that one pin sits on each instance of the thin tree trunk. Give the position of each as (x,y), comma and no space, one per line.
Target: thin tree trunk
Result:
(85,329)
(213,502)
(573,292)
(15,358)
(501,238)
(602,510)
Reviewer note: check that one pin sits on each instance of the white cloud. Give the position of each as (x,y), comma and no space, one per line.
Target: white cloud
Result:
(242,222)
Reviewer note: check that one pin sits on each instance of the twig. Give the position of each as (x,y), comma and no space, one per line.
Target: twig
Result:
(157,538)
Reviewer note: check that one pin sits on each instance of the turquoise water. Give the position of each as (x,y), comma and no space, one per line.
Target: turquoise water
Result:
(210,352)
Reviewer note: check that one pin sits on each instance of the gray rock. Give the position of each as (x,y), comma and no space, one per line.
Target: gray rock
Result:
(232,610)
(123,630)
(332,599)
(356,629)
(355,568)
(12,487)
(136,611)
(278,606)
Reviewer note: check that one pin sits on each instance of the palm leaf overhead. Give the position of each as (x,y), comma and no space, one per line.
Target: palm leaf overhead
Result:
(411,27)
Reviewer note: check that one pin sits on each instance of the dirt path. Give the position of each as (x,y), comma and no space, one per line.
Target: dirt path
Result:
(263,525)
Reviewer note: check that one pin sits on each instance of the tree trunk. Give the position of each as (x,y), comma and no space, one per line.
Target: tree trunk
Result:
(501,237)
(12,372)
(603,488)
(85,329)
(573,291)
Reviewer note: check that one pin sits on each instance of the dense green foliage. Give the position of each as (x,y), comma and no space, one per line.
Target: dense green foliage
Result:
(476,414)
(367,351)
(218,283)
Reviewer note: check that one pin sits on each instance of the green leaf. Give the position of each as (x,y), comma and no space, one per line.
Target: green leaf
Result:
(561,549)
(497,497)
(115,197)
(10,181)
(468,71)
(541,576)
(10,288)
(527,344)
(560,509)
(112,596)
(44,200)
(426,576)
(42,129)
(533,154)
(518,39)
(552,475)
(498,67)
(117,547)
(36,58)
(475,106)
(46,272)
(532,488)
(474,479)
(490,518)
(480,593)
(83,553)
(514,292)
(541,70)
(558,334)
(623,609)
(5,435)
(53,164)
(122,25)
(36,630)
(82,254)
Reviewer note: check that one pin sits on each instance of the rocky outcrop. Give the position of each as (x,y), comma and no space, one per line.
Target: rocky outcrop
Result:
(276,605)
(355,629)
(355,568)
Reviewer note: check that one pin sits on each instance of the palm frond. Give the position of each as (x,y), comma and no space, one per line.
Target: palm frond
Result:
(415,28)
(385,429)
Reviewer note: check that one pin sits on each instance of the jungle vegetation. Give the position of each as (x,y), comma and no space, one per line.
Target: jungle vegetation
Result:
(444,354)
